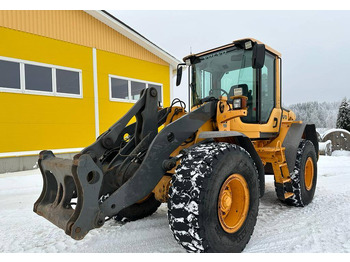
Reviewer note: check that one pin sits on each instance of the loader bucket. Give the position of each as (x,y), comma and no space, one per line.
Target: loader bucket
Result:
(70,194)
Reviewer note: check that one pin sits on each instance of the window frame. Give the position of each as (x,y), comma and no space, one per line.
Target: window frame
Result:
(53,68)
(272,55)
(129,100)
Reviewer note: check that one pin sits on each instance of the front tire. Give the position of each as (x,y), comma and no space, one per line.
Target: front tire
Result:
(214,198)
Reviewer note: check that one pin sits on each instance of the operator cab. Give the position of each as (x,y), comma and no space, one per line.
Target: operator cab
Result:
(244,68)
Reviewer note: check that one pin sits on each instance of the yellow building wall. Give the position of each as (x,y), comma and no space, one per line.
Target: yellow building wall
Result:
(37,122)
(66,38)
(75,26)
(119,65)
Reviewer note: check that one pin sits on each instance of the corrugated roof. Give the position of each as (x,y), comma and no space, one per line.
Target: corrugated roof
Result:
(132,34)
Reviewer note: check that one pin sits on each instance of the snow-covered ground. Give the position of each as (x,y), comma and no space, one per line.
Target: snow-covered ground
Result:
(322,226)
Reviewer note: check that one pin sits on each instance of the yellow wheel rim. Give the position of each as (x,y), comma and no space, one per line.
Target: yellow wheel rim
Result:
(309,173)
(233,203)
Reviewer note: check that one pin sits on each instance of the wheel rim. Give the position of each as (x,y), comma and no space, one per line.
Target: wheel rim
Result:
(233,203)
(309,173)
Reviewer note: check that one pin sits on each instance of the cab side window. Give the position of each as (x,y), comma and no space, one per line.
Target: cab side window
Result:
(267,87)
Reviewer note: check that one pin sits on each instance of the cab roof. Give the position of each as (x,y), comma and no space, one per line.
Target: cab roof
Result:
(232,44)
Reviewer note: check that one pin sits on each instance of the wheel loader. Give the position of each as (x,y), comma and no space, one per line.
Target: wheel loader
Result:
(208,164)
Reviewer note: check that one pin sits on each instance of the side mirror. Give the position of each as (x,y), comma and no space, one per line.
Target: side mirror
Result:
(258,56)
(179,74)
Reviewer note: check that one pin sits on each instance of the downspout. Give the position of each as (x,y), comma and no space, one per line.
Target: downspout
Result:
(94,65)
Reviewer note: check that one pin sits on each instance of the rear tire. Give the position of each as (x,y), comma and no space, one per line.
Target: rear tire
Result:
(195,209)
(304,176)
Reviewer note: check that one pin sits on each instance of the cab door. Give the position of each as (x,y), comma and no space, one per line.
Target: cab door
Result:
(270,113)
(265,115)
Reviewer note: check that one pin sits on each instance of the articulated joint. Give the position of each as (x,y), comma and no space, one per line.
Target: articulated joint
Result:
(169,164)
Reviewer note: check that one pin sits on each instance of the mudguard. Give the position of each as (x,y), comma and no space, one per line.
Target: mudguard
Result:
(292,140)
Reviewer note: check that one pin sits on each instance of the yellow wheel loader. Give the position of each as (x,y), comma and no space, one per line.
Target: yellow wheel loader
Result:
(208,164)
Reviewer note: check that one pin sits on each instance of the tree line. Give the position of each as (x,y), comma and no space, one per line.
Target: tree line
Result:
(324,114)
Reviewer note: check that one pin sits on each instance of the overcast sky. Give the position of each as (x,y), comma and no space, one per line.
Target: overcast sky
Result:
(315,45)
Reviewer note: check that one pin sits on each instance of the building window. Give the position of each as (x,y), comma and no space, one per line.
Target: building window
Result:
(67,82)
(136,88)
(29,77)
(10,75)
(128,90)
(38,78)
(119,88)
(159,91)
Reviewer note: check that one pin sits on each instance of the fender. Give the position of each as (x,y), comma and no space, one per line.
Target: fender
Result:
(243,141)
(311,134)
(292,140)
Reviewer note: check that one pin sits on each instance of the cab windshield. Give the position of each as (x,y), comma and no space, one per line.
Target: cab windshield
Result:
(225,73)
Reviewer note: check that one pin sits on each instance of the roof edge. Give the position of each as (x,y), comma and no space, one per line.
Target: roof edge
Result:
(232,44)
(111,21)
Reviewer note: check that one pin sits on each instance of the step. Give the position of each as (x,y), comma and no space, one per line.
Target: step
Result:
(286,180)
(288,195)
(283,165)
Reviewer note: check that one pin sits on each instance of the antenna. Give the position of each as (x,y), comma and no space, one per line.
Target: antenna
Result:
(190,50)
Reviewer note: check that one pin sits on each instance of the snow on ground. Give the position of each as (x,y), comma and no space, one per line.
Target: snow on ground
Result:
(322,226)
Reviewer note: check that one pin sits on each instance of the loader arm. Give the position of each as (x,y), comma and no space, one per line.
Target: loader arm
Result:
(91,177)
(151,169)
(145,109)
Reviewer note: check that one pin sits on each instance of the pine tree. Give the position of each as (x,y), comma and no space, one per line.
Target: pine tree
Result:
(343,120)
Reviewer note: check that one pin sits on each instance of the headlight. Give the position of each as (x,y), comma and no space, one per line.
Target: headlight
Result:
(248,45)
(237,103)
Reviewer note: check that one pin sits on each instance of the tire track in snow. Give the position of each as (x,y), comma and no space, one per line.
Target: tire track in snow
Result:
(322,226)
